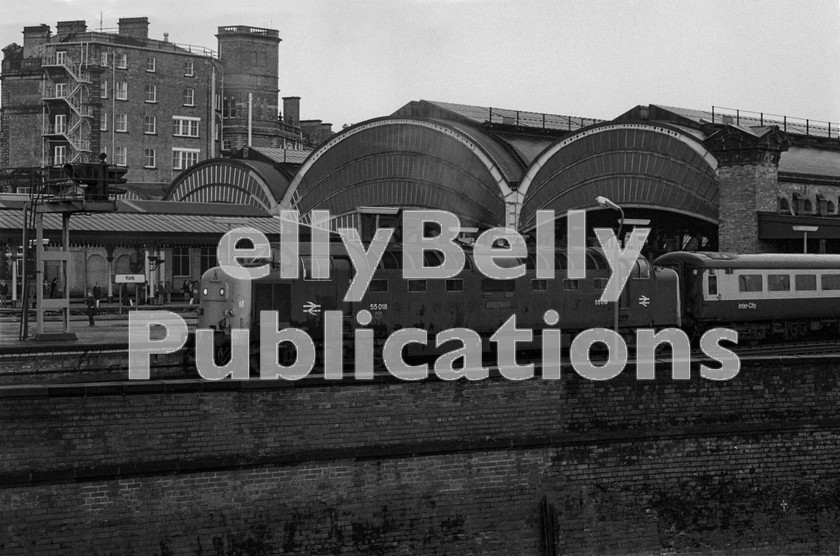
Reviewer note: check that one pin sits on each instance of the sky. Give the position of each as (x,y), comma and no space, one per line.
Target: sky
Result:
(352,60)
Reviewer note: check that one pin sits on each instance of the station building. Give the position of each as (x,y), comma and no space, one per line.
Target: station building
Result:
(702,180)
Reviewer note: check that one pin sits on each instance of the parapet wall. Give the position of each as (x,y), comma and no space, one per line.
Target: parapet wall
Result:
(491,467)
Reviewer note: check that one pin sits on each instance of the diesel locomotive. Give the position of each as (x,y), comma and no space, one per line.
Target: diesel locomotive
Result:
(650,298)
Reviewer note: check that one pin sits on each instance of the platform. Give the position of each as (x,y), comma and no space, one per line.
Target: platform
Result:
(110,330)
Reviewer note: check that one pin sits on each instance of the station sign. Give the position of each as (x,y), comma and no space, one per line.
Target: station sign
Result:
(130,278)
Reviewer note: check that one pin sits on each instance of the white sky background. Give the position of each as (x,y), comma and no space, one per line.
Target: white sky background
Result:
(352,60)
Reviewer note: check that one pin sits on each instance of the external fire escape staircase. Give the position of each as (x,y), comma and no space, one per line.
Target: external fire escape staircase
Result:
(60,67)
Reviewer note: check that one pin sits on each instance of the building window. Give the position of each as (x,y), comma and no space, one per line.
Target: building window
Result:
(61,57)
(121,123)
(122,90)
(184,158)
(151,93)
(60,155)
(189,97)
(61,90)
(150,64)
(180,261)
(103,122)
(120,156)
(185,127)
(225,144)
(208,259)
(103,89)
(189,69)
(149,125)
(122,61)
(103,59)
(149,158)
(60,123)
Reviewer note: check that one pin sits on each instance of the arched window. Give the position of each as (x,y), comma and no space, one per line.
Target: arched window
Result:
(829,207)
(784,206)
(807,206)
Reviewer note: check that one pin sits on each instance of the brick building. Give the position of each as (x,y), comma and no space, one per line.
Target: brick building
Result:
(147,103)
(152,105)
(250,107)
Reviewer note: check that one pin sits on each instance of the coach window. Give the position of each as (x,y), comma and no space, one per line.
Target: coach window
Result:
(416,285)
(806,282)
(749,283)
(600,283)
(378,286)
(539,285)
(712,283)
(830,281)
(569,284)
(455,285)
(778,282)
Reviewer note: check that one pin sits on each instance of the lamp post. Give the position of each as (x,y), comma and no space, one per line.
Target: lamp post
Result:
(805,230)
(606,203)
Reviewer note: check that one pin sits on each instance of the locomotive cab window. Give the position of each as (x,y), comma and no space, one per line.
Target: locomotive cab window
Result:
(641,270)
(806,282)
(750,283)
(778,282)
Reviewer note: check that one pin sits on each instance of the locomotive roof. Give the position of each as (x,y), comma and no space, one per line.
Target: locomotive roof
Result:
(707,259)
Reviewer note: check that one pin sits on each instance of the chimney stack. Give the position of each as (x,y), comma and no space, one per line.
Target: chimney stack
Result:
(134,27)
(66,28)
(291,111)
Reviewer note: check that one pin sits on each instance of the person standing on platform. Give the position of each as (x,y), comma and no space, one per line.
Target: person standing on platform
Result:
(53,285)
(168,291)
(4,293)
(97,294)
(91,307)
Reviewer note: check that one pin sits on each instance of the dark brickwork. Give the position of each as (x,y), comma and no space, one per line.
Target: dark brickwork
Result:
(748,179)
(492,467)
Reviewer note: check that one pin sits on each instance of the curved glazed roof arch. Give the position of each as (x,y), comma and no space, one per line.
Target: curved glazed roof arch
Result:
(408,162)
(227,180)
(645,165)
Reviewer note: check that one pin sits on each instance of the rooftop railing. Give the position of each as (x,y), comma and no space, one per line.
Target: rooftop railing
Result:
(520,118)
(788,124)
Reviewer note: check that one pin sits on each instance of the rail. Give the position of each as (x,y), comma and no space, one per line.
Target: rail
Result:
(788,124)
